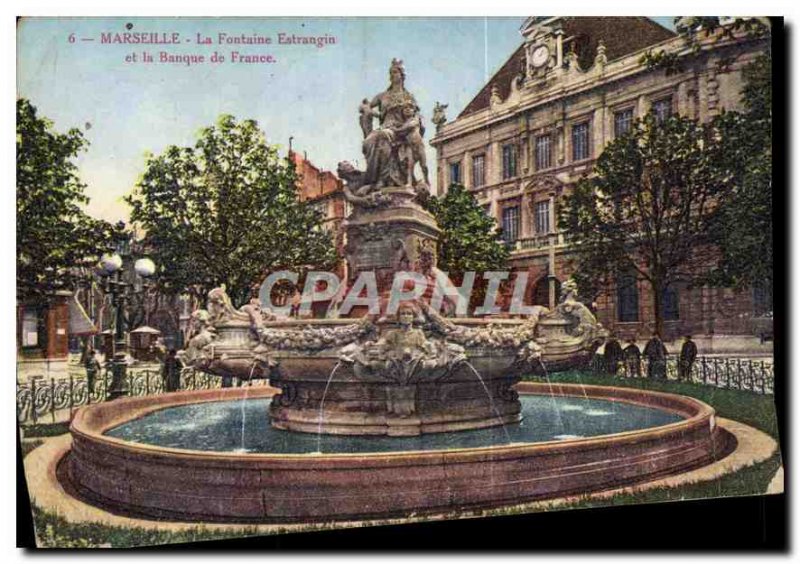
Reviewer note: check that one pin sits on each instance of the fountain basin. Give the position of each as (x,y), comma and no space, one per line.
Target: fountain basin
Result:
(165,482)
(406,399)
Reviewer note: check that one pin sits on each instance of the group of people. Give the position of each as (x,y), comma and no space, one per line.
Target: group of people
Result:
(655,352)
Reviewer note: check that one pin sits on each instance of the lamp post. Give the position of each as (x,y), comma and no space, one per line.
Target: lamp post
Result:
(111,268)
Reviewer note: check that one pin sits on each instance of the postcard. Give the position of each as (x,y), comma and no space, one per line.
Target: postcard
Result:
(283,275)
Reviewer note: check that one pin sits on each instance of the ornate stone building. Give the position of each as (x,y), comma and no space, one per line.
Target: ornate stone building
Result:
(537,126)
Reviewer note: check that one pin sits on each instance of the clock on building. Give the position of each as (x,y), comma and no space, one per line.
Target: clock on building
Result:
(540,56)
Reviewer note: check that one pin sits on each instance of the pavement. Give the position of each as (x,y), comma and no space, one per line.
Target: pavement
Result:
(776,484)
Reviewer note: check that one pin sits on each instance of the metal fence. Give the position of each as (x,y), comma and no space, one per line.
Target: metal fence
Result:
(47,398)
(722,372)
(50,398)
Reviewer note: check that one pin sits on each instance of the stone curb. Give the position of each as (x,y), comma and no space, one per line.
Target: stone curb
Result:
(46,492)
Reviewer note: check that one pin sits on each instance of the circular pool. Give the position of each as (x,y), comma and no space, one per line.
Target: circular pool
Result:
(212,455)
(239,426)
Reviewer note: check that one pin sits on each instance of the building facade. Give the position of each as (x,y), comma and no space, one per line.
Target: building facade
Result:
(322,190)
(540,122)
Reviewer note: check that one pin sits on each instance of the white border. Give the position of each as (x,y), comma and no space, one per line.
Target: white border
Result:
(338,8)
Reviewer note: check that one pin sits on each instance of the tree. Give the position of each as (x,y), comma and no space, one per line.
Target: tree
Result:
(470,239)
(743,227)
(226,212)
(54,235)
(648,208)
(704,31)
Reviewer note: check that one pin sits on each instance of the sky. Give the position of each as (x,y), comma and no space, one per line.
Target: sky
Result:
(127,109)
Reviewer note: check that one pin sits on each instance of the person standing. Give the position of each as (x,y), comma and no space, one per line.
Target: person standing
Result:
(656,354)
(633,359)
(172,371)
(612,355)
(687,358)
(92,365)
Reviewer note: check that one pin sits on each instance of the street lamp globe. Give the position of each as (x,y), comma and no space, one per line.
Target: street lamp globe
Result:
(145,267)
(109,264)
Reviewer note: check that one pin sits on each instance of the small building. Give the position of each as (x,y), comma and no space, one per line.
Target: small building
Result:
(43,331)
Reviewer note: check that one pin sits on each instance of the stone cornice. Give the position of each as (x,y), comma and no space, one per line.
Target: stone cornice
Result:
(565,85)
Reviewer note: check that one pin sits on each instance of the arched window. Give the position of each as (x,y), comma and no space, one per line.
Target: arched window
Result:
(627,298)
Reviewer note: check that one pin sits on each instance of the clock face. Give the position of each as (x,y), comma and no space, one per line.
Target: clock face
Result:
(540,55)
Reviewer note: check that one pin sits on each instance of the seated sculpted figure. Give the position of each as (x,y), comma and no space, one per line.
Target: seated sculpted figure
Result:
(586,322)
(381,147)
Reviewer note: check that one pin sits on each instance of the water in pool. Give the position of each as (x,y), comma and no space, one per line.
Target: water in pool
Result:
(243,426)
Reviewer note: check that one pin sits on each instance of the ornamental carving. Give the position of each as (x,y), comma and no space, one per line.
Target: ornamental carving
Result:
(547,184)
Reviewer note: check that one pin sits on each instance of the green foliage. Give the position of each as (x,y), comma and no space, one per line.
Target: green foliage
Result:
(671,63)
(648,208)
(698,31)
(46,429)
(470,239)
(54,235)
(743,228)
(53,531)
(226,212)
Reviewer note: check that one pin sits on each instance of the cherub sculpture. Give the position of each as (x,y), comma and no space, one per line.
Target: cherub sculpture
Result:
(413,147)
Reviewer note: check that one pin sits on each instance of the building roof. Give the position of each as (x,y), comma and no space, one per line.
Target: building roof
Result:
(620,35)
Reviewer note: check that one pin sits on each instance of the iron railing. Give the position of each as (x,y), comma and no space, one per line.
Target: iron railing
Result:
(38,397)
(722,372)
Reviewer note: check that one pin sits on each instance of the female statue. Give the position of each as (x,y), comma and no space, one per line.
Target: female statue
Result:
(381,146)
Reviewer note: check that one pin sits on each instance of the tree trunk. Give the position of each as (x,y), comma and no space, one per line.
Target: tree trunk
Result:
(658,293)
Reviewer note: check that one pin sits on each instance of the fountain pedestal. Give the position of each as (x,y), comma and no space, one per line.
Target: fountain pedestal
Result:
(350,403)
(397,234)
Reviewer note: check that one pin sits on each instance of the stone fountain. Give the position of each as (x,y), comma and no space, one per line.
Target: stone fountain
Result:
(409,373)
(413,374)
